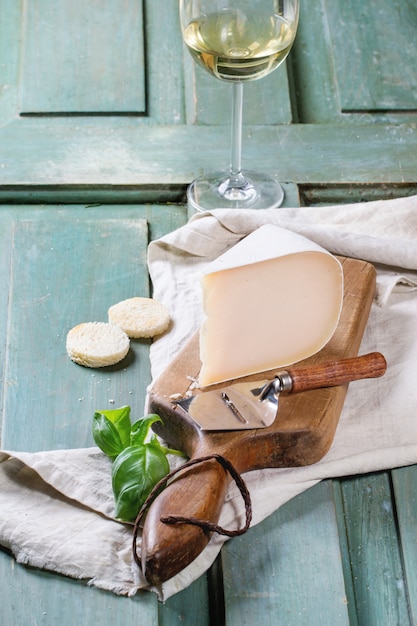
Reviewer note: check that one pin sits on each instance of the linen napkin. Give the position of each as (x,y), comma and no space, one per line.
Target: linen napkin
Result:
(66,523)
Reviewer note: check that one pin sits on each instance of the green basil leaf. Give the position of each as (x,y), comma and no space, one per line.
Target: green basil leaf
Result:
(111,430)
(106,436)
(135,472)
(155,442)
(140,429)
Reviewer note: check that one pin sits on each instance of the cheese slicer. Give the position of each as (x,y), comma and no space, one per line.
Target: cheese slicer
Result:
(244,404)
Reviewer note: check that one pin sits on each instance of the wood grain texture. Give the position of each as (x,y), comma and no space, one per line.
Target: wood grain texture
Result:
(301,434)
(83,57)
(361,82)
(102,58)
(144,157)
(404,487)
(384,77)
(288,570)
(379,583)
(333,373)
(32,596)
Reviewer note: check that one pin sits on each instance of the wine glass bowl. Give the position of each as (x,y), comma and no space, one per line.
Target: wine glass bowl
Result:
(237,41)
(239,46)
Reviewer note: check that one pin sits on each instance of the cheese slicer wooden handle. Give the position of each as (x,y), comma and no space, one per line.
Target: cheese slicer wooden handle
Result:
(333,373)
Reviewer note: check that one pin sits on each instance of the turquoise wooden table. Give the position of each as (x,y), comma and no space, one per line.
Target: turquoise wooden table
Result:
(342,553)
(103,123)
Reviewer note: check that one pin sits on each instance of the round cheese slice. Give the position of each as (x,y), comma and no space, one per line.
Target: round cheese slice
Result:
(272,300)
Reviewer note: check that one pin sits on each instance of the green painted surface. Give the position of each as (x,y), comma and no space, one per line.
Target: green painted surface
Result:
(404,483)
(288,569)
(354,62)
(174,116)
(78,268)
(187,608)
(379,582)
(70,62)
(375,53)
(143,158)
(31,596)
(10,24)
(95,59)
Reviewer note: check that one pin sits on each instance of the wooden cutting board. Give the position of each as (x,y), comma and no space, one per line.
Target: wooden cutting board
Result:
(301,434)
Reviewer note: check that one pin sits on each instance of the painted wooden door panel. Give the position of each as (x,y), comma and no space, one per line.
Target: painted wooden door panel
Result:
(70,64)
(155,163)
(355,62)
(375,54)
(98,59)
(45,599)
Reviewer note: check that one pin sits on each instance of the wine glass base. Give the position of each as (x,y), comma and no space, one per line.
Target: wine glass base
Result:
(252,190)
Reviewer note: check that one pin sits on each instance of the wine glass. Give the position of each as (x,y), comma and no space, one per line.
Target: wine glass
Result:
(237,41)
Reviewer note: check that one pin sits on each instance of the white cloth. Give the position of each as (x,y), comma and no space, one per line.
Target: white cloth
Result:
(65,522)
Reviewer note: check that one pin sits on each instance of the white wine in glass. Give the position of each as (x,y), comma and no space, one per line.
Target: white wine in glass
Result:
(238,41)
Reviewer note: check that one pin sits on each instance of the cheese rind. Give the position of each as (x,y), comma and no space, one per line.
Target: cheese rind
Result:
(272,300)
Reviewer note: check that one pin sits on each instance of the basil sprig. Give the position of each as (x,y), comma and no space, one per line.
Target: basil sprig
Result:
(139,459)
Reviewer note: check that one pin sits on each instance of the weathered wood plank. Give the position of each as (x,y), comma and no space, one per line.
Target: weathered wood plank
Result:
(59,267)
(287,570)
(190,607)
(6,238)
(173,155)
(344,551)
(313,67)
(404,482)
(31,596)
(378,578)
(10,11)
(343,194)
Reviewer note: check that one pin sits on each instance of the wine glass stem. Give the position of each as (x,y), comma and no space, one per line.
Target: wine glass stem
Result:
(236,151)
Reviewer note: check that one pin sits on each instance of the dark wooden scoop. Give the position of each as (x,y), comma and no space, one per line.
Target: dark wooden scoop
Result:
(301,434)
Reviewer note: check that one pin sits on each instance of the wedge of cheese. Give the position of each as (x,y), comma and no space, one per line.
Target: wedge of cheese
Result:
(273,299)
